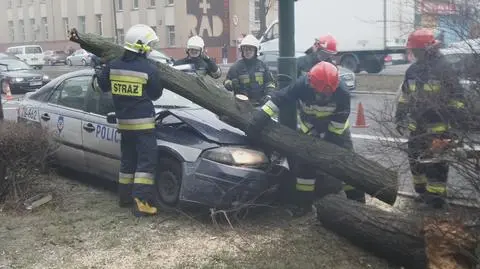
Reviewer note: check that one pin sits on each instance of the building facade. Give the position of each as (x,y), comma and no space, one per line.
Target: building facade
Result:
(46,22)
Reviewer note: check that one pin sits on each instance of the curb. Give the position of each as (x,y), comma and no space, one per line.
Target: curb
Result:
(374,92)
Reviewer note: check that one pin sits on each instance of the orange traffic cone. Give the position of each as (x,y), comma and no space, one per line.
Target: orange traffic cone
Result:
(360,122)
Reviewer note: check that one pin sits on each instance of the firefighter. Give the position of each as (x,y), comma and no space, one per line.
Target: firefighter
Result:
(134,83)
(196,56)
(430,105)
(323,49)
(250,76)
(324,112)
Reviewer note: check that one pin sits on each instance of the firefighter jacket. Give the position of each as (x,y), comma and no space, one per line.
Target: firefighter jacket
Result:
(203,66)
(250,77)
(317,112)
(134,83)
(306,62)
(431,98)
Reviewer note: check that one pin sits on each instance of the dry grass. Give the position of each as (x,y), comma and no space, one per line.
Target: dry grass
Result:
(83,228)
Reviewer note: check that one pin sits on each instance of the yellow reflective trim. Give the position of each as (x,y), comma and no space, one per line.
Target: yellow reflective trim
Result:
(456,104)
(124,180)
(432,86)
(438,128)
(347,187)
(316,113)
(305,129)
(270,85)
(412,127)
(420,179)
(127,88)
(259,78)
(136,127)
(412,87)
(268,110)
(303,187)
(437,188)
(402,100)
(131,79)
(338,131)
(144,181)
(244,79)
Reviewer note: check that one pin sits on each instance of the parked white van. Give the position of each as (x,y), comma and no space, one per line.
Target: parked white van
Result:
(31,54)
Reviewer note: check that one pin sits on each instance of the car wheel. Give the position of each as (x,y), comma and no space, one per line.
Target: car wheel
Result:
(84,63)
(69,62)
(169,181)
(351,63)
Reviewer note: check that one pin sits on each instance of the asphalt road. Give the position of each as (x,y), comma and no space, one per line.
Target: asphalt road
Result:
(377,141)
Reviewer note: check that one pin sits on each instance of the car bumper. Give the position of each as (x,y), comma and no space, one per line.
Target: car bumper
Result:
(215,185)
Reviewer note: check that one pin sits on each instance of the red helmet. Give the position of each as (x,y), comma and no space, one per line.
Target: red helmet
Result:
(421,39)
(327,43)
(323,77)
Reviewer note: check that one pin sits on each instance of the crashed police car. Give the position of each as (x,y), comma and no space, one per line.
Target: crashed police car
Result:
(202,160)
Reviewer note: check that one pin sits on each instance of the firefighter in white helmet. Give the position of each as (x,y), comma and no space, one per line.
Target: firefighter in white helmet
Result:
(196,56)
(134,83)
(250,76)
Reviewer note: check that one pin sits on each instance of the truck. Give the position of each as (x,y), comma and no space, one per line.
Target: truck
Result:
(366,31)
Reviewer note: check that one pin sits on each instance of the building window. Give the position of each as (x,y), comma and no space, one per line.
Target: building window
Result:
(66,27)
(21,30)
(9,4)
(153,3)
(135,4)
(45,27)
(257,10)
(170,3)
(121,36)
(81,24)
(120,5)
(11,31)
(33,27)
(171,35)
(99,24)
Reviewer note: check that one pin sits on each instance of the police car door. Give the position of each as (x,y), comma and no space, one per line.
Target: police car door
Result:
(100,138)
(62,115)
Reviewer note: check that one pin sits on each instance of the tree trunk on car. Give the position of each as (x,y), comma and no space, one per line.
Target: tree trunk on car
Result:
(407,240)
(340,163)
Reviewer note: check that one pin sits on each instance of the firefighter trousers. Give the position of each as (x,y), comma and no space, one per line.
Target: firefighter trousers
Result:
(430,178)
(138,164)
(310,183)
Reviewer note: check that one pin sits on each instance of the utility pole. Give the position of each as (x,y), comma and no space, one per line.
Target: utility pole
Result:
(287,64)
(115,32)
(417,16)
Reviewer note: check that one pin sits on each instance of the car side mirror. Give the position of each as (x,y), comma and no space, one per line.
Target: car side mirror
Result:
(111,118)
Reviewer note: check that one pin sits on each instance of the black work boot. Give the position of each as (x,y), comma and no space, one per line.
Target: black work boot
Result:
(125,195)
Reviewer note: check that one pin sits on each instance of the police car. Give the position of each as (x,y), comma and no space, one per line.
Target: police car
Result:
(202,160)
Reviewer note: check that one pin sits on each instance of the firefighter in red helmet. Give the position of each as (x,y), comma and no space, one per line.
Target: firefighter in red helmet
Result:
(324,111)
(430,105)
(323,49)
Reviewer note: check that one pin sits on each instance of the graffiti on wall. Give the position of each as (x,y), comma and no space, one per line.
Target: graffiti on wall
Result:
(210,20)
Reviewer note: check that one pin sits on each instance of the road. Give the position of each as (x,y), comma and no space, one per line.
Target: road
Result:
(376,142)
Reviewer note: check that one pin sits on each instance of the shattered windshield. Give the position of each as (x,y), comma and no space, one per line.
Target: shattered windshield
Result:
(172,100)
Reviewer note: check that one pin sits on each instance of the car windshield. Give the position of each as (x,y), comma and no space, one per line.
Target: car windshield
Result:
(465,64)
(172,100)
(12,65)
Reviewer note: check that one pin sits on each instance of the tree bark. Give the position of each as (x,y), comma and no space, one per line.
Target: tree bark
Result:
(409,241)
(340,163)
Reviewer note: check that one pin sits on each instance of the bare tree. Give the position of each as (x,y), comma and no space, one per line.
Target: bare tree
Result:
(264,8)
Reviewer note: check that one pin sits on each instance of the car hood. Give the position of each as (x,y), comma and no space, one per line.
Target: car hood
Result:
(210,126)
(22,74)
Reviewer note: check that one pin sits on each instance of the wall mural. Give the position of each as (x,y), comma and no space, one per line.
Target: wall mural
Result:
(210,20)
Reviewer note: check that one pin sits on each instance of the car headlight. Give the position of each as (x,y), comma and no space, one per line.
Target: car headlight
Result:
(236,156)
(18,79)
(45,77)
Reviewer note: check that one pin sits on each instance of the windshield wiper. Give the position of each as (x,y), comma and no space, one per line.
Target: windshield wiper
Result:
(169,106)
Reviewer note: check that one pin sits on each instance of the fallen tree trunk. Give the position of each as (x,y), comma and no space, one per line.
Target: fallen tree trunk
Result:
(408,241)
(354,169)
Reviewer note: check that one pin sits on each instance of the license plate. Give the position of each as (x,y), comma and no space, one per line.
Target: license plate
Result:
(36,83)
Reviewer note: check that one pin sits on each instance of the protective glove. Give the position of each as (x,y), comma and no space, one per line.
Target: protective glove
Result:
(228,85)
(258,121)
(204,56)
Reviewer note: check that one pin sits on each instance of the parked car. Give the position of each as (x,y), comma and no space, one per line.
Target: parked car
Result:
(30,54)
(270,58)
(161,57)
(53,57)
(202,160)
(19,76)
(79,57)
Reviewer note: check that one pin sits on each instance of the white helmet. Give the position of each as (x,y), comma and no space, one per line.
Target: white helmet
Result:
(195,42)
(139,37)
(250,40)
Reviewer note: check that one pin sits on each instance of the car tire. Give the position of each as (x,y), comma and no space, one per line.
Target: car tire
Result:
(168,181)
(69,62)
(350,62)
(84,63)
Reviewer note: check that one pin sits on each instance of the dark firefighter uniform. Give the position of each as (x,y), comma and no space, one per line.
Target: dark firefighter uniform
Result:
(320,116)
(203,65)
(431,103)
(134,84)
(252,78)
